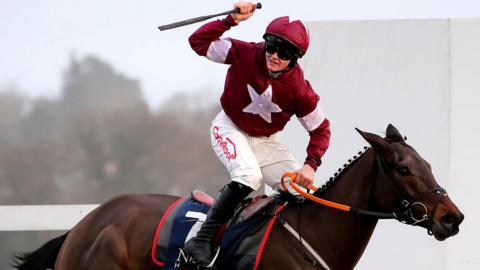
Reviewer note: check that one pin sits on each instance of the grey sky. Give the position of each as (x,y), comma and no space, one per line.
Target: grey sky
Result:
(38,37)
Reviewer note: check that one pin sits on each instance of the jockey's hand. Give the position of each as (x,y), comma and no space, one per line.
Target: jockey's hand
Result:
(246,11)
(305,176)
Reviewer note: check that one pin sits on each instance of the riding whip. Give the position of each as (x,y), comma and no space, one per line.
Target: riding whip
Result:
(201,18)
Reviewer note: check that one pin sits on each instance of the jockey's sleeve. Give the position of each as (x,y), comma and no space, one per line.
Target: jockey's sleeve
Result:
(318,144)
(313,119)
(206,40)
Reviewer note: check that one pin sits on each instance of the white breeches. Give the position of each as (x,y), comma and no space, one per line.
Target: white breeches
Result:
(250,160)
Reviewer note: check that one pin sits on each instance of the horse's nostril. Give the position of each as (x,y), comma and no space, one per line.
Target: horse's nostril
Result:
(451,219)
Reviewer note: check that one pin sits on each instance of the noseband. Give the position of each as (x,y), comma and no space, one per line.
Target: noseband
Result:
(409,203)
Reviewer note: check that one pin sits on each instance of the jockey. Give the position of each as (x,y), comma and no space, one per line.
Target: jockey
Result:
(264,88)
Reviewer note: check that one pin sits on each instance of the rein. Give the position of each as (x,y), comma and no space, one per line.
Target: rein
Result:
(408,202)
(338,206)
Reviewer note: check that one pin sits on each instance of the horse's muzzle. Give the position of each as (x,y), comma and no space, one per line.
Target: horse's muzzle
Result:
(447,225)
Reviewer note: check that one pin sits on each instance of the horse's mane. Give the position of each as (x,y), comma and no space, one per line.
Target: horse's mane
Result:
(332,180)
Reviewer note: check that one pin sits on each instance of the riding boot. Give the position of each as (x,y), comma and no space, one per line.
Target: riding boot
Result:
(200,247)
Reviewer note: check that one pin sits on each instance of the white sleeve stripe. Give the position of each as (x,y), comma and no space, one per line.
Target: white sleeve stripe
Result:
(314,119)
(218,50)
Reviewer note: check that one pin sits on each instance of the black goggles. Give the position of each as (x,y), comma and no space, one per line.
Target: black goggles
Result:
(284,50)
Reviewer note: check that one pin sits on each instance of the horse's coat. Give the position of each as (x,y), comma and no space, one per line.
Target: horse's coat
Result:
(118,234)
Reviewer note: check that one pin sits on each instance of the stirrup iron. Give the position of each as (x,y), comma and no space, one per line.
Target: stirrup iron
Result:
(210,265)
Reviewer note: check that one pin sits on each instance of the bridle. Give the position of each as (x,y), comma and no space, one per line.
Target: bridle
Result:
(409,203)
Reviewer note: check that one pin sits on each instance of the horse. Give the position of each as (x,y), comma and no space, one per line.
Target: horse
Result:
(389,176)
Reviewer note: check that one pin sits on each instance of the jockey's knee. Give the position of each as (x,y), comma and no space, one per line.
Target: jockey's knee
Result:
(240,189)
(254,180)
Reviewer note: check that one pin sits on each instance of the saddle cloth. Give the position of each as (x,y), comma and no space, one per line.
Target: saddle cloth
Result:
(241,242)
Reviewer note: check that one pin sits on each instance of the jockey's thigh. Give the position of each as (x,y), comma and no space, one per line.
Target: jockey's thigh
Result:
(232,147)
(272,174)
(275,159)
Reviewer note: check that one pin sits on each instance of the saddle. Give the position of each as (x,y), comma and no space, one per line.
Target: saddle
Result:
(202,197)
(247,209)
(240,240)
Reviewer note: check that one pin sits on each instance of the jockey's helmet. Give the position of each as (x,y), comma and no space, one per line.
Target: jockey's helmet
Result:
(292,31)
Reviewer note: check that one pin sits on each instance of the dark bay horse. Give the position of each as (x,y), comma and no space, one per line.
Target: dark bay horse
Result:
(389,177)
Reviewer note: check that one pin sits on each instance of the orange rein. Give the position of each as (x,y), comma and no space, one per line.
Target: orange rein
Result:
(293,177)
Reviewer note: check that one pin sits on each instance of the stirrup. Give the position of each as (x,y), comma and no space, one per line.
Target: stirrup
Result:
(214,259)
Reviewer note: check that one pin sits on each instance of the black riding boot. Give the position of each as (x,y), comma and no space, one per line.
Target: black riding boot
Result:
(200,247)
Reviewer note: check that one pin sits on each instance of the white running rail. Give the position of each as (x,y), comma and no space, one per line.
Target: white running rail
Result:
(42,217)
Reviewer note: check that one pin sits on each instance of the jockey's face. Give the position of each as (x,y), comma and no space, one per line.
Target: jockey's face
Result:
(278,53)
(274,63)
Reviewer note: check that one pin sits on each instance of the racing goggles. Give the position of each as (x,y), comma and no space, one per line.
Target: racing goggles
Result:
(284,49)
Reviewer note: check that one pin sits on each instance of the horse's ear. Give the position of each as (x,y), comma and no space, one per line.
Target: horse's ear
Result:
(394,134)
(374,140)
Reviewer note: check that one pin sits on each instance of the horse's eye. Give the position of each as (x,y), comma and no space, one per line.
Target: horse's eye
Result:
(404,171)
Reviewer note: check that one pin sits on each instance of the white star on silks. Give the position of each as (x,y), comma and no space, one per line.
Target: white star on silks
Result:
(262,104)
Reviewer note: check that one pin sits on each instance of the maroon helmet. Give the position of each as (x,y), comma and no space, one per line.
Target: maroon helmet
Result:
(295,32)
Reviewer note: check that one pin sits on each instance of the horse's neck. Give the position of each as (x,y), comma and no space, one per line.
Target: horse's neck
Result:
(342,237)
(355,185)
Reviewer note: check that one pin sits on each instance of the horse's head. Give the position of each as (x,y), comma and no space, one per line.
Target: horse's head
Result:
(406,185)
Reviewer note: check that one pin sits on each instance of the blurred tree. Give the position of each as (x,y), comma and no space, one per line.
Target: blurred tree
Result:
(100,139)
(93,85)
(45,122)
(13,108)
(101,105)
